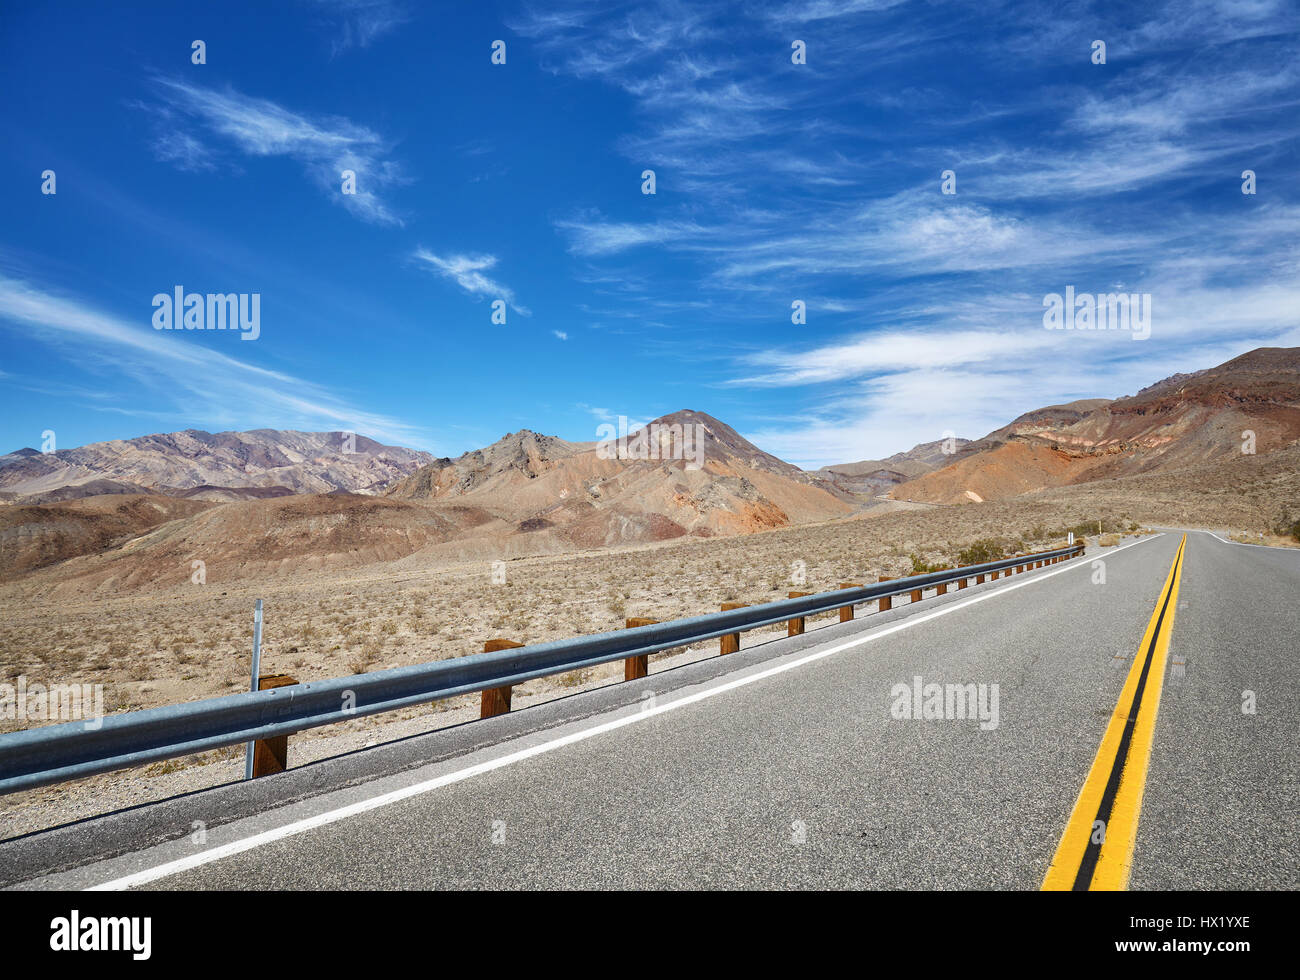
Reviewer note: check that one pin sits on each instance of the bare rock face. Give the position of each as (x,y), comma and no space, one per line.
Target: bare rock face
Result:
(295,462)
(1181,421)
(683,473)
(871,477)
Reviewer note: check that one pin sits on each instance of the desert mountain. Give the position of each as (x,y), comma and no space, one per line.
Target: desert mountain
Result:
(1184,420)
(34,536)
(209,465)
(684,473)
(156,504)
(526,494)
(875,476)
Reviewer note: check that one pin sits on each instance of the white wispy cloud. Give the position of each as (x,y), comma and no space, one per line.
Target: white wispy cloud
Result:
(324,147)
(595,236)
(886,391)
(467,271)
(807,11)
(205,386)
(360,22)
(184,151)
(823,180)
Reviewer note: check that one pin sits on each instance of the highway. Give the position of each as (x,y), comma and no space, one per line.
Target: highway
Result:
(793,764)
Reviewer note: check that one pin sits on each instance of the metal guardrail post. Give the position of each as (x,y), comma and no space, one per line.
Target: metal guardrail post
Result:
(251,749)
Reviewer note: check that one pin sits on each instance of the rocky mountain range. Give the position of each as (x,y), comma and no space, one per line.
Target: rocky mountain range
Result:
(214,466)
(588,495)
(1248,404)
(132,512)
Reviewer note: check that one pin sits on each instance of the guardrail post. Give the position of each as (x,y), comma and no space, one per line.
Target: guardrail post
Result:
(638,666)
(496,700)
(886,602)
(846,612)
(730,642)
(942,587)
(253,678)
(962,582)
(796,626)
(271,754)
(916,595)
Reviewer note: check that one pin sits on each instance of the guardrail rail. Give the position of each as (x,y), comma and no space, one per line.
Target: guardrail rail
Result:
(54,753)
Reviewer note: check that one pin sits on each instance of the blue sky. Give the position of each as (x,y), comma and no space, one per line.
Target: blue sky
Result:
(776,182)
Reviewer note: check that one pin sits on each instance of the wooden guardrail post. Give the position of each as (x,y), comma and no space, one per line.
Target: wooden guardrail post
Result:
(730,642)
(846,612)
(886,602)
(916,595)
(942,587)
(962,582)
(496,700)
(796,626)
(271,754)
(638,666)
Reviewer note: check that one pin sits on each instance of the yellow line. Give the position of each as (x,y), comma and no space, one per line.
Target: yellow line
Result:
(1113,789)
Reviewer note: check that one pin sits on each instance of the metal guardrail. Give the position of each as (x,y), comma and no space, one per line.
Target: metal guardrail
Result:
(54,753)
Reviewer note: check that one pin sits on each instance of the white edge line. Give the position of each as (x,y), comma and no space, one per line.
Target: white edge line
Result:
(1247,544)
(395,796)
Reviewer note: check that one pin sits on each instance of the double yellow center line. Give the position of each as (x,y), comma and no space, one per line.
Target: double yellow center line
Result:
(1096,851)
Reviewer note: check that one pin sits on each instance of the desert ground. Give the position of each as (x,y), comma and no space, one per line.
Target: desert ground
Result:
(161,645)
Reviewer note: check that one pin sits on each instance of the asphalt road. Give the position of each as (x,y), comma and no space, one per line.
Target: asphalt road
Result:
(786,766)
